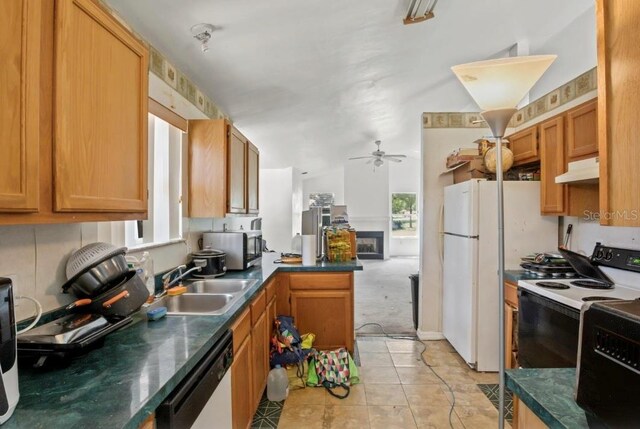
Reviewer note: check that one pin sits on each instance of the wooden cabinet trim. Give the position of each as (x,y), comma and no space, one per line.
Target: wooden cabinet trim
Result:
(235,172)
(258,306)
(260,357)
(168,115)
(252,180)
(271,289)
(315,281)
(23,122)
(511,294)
(241,328)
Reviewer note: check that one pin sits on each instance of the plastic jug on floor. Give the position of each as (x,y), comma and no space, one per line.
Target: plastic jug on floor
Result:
(277,384)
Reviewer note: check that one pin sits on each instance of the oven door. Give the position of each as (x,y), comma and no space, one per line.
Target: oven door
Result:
(547,332)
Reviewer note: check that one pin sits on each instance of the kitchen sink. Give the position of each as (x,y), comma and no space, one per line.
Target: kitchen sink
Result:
(220,286)
(208,304)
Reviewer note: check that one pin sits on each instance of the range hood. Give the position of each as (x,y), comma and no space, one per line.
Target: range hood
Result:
(585,171)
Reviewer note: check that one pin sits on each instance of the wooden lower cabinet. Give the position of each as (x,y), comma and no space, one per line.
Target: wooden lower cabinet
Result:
(326,313)
(250,366)
(524,418)
(242,397)
(260,361)
(511,325)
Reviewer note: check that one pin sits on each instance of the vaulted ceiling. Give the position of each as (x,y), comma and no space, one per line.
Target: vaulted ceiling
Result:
(313,82)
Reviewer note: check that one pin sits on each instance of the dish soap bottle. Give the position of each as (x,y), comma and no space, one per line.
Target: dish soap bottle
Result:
(146,263)
(277,384)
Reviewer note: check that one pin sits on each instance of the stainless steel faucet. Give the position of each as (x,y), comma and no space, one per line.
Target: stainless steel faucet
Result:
(167,282)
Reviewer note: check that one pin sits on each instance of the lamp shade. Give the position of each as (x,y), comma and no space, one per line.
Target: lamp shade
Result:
(502,83)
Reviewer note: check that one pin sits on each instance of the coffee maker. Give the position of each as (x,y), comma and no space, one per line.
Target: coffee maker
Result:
(9,393)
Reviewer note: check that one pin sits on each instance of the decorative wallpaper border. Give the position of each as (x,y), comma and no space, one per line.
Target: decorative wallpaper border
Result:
(581,85)
(161,67)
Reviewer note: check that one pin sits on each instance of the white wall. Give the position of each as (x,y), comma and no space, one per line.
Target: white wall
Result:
(280,206)
(366,195)
(405,177)
(586,233)
(331,181)
(575,46)
(436,145)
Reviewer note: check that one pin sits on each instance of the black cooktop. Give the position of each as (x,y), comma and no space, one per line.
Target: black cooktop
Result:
(553,285)
(592,284)
(599,298)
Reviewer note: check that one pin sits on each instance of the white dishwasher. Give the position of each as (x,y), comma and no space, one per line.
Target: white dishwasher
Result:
(203,399)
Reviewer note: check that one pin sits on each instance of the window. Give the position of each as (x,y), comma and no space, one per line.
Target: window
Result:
(321,199)
(164,222)
(404,216)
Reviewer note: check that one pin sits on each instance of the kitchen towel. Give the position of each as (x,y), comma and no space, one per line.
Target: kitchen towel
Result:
(308,250)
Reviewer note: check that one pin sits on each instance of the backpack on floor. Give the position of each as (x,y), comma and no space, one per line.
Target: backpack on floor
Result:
(288,347)
(331,370)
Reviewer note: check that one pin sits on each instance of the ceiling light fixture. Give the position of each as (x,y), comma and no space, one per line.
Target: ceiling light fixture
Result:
(419,11)
(202,33)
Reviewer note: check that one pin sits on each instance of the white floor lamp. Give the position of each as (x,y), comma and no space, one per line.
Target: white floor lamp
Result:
(497,86)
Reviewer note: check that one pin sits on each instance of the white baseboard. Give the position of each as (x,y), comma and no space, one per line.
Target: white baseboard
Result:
(429,335)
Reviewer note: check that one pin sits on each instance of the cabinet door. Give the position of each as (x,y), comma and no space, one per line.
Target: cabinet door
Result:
(508,336)
(20,32)
(242,386)
(552,164)
(236,173)
(207,168)
(618,107)
(328,314)
(253,168)
(100,110)
(260,358)
(524,145)
(582,131)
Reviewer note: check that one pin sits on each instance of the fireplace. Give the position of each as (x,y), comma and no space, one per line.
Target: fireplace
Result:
(370,244)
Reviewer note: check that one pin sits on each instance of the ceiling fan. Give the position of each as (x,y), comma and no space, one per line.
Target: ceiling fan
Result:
(378,156)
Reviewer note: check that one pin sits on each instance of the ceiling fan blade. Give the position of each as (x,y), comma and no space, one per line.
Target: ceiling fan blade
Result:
(392,159)
(362,157)
(396,156)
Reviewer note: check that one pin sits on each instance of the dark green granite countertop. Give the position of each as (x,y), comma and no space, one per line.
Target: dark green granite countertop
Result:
(120,384)
(548,392)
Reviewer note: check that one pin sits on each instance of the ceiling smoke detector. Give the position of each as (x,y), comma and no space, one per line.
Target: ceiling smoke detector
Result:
(419,11)
(202,33)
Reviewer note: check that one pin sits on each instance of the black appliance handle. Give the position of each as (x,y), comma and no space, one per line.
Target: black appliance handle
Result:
(548,303)
(184,404)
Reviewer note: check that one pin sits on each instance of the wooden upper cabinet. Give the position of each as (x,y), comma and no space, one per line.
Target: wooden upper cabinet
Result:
(20,33)
(618,107)
(253,170)
(552,164)
(524,145)
(207,168)
(237,172)
(100,110)
(582,131)
(218,175)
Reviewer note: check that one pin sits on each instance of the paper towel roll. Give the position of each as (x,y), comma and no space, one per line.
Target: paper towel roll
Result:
(308,250)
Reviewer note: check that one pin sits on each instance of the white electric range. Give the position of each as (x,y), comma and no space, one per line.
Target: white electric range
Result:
(549,309)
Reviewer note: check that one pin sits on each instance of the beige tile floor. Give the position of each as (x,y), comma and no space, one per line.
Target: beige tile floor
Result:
(397,390)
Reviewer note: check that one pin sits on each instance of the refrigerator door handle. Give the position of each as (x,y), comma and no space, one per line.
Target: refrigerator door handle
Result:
(473,237)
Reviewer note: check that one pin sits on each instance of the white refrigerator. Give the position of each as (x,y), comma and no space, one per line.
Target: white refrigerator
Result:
(470,259)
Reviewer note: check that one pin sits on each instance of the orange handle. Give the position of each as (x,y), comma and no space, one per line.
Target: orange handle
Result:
(79,303)
(118,297)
